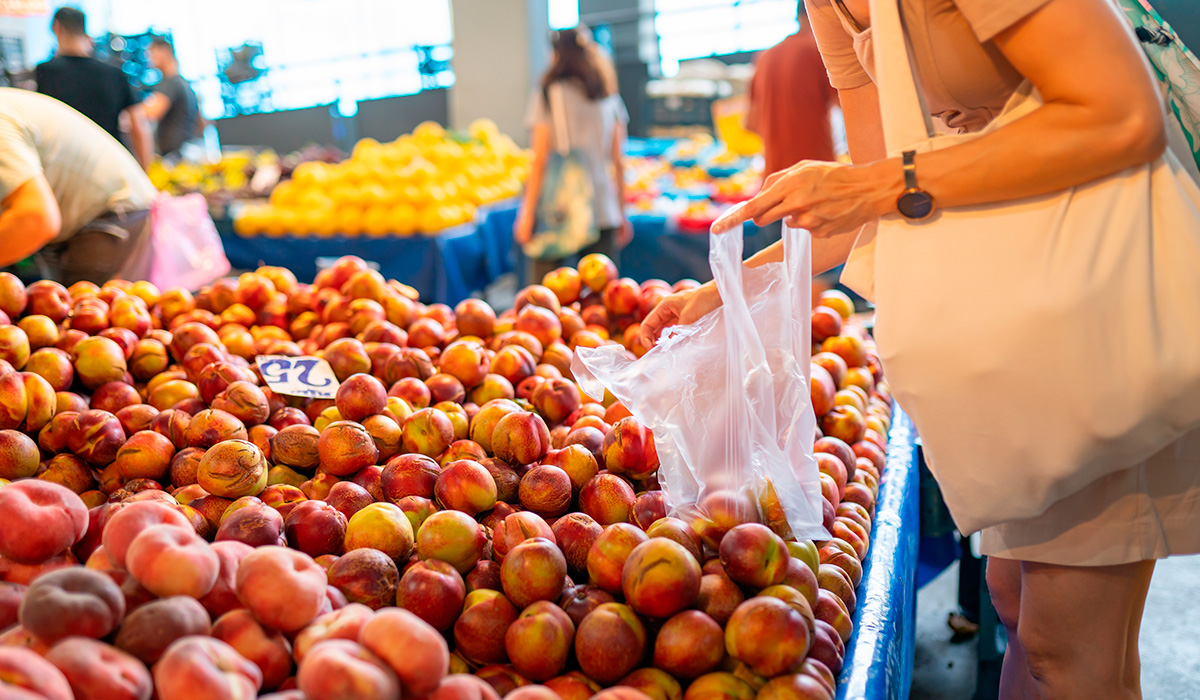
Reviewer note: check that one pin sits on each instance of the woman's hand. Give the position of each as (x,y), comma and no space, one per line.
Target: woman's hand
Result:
(826,199)
(679,309)
(523,227)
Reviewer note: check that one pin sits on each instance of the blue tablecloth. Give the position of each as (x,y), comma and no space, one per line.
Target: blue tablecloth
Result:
(446,268)
(879,656)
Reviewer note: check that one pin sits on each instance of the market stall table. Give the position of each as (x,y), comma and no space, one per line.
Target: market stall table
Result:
(879,655)
(445,268)
(660,248)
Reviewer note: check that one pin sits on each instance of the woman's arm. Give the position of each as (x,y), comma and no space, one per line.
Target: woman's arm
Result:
(1102,114)
(540,143)
(625,235)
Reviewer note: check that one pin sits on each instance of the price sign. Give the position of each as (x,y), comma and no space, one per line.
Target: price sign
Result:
(310,377)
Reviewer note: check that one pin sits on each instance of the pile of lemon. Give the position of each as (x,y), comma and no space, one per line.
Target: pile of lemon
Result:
(421,183)
(230,174)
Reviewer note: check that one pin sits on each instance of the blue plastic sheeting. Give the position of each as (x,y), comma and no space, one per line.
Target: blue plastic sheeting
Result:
(879,655)
(659,249)
(445,268)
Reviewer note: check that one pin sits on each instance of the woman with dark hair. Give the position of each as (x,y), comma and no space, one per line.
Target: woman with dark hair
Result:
(576,109)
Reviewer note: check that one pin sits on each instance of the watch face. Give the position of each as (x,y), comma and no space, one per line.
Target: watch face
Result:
(915,204)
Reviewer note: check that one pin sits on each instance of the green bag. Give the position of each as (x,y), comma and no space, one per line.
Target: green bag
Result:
(565,220)
(1176,66)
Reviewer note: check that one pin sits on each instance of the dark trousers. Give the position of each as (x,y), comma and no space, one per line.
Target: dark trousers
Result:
(606,244)
(105,247)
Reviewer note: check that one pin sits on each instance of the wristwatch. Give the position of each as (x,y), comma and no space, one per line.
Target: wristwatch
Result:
(914,203)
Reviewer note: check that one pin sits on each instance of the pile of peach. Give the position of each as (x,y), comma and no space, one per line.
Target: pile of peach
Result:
(460,522)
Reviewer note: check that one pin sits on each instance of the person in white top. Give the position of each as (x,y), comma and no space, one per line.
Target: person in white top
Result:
(69,192)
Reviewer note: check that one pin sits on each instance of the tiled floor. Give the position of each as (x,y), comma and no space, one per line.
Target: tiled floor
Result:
(1170,642)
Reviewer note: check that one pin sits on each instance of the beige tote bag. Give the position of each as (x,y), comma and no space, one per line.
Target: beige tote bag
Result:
(1039,344)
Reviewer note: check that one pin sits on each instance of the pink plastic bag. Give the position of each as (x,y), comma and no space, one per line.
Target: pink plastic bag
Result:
(728,397)
(185,248)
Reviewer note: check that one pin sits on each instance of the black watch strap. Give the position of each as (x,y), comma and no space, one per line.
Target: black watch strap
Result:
(910,169)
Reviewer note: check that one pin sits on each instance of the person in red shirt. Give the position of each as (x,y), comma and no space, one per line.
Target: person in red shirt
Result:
(790,98)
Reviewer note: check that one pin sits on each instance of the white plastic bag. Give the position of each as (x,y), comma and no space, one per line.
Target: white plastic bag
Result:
(185,248)
(728,397)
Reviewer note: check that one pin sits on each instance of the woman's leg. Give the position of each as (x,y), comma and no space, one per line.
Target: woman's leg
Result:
(1004,584)
(1078,628)
(539,268)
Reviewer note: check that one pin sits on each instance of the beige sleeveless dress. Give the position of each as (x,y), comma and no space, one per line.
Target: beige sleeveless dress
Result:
(1150,510)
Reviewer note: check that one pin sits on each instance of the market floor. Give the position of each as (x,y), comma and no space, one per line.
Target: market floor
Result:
(1169,644)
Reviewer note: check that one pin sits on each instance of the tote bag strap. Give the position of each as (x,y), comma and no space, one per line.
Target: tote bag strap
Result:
(558,117)
(906,119)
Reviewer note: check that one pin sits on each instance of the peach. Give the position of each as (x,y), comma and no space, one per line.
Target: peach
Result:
(408,363)
(145,455)
(244,401)
(410,646)
(607,557)
(719,686)
(296,446)
(533,570)
(480,630)
(678,531)
(284,589)
(72,602)
(137,418)
(862,495)
(538,643)
(719,597)
(19,455)
(610,642)
(575,534)
(765,618)
(516,528)
(461,686)
(589,433)
(573,686)
(126,521)
(827,647)
(255,527)
(361,395)
(466,361)
(754,556)
(433,591)
(113,396)
(629,449)
(366,576)
(28,676)
(150,629)
(203,668)
(232,469)
(556,399)
(98,360)
(266,648)
(54,366)
(96,436)
(831,609)
(485,575)
(386,435)
(800,577)
(346,496)
(466,486)
(169,560)
(223,596)
(508,482)
(381,526)
(347,357)
(492,387)
(98,671)
(211,426)
(318,487)
(660,578)
(409,475)
(345,623)
(521,438)
(540,322)
(689,645)
(514,363)
(428,432)
(546,490)
(43,519)
(453,537)
(14,345)
(172,423)
(288,415)
(315,528)
(649,508)
(720,511)
(578,601)
(52,438)
(795,686)
(608,498)
(346,447)
(13,297)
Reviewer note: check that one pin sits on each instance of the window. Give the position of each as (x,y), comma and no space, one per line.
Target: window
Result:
(315,52)
(564,14)
(698,28)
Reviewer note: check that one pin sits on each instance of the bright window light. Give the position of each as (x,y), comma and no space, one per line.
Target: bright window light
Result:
(698,28)
(564,13)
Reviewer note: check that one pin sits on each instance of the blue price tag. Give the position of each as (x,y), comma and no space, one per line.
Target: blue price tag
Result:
(310,377)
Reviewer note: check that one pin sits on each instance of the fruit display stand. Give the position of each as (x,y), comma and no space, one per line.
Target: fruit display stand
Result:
(879,655)
(444,268)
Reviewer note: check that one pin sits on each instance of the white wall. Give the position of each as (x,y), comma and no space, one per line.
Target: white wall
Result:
(500,49)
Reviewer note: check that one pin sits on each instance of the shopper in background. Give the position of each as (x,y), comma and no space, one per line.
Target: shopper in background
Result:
(790,99)
(70,193)
(172,105)
(595,125)
(97,90)
(1070,584)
